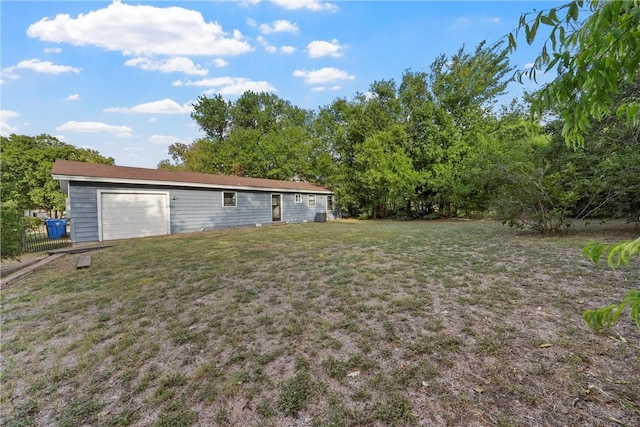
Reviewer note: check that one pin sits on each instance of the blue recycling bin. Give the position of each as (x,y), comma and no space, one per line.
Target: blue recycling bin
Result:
(56,228)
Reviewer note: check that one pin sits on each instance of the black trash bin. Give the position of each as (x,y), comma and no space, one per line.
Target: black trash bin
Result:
(56,228)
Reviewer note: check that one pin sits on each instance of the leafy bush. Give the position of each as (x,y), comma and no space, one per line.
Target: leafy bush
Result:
(532,198)
(32,222)
(11,230)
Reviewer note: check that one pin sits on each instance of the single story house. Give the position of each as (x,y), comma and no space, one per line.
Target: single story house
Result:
(106,202)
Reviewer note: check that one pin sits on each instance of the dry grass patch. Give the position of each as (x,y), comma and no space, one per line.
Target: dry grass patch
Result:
(343,323)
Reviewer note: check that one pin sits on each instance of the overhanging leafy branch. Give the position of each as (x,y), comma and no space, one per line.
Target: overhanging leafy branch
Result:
(617,255)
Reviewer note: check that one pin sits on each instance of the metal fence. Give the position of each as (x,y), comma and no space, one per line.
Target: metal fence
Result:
(43,238)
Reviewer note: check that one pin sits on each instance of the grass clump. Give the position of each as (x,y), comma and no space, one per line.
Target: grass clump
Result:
(78,411)
(441,342)
(396,410)
(295,393)
(176,413)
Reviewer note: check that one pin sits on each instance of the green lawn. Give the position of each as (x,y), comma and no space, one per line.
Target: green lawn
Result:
(340,323)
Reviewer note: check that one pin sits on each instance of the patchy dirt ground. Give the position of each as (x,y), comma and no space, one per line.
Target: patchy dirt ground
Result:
(346,323)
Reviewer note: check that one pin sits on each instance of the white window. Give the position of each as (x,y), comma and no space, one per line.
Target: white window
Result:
(230,198)
(312,199)
(298,198)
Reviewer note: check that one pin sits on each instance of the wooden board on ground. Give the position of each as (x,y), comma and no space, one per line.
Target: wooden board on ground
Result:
(78,249)
(84,261)
(19,274)
(5,271)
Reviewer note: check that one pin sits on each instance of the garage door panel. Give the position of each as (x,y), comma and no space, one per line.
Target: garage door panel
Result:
(127,215)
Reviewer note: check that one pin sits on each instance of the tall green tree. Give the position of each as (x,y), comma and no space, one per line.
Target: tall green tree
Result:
(334,139)
(465,88)
(259,135)
(26,162)
(466,84)
(374,175)
(386,173)
(418,133)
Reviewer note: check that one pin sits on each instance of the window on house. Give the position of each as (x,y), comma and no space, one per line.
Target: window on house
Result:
(298,198)
(329,203)
(312,199)
(229,198)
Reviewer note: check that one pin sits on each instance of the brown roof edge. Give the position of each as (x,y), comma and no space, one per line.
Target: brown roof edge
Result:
(67,169)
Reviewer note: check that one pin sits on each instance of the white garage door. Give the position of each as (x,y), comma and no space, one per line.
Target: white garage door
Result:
(127,215)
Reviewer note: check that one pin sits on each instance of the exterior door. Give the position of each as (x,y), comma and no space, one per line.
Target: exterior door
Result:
(276,207)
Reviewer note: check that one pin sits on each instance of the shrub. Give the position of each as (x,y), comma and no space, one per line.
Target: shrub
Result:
(532,198)
(31,222)
(11,228)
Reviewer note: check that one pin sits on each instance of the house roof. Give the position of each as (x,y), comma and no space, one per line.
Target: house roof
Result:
(67,170)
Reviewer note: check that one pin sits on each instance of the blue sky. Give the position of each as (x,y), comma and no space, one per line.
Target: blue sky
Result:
(120,77)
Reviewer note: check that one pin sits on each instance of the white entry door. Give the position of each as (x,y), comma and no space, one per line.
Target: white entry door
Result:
(126,215)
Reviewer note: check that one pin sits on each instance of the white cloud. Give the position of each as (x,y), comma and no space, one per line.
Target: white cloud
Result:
(323,75)
(166,139)
(219,63)
(287,49)
(8,114)
(529,65)
(179,64)
(142,30)
(164,106)
(52,50)
(319,48)
(272,49)
(5,128)
(247,3)
(153,119)
(243,85)
(73,126)
(323,88)
(72,97)
(279,26)
(314,5)
(229,85)
(269,48)
(9,73)
(251,22)
(47,67)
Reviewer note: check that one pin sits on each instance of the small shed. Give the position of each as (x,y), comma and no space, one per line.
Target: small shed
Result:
(106,202)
